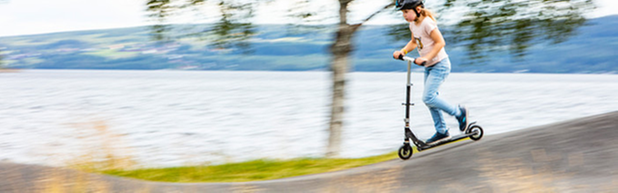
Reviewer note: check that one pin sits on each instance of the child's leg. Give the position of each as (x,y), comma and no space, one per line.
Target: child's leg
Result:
(434,77)
(438,120)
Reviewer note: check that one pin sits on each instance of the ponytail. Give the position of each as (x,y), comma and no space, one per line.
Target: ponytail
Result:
(427,13)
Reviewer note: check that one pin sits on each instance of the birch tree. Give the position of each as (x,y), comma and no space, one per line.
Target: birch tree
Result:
(482,25)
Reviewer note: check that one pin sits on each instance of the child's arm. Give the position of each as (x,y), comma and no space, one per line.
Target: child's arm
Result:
(409,47)
(436,36)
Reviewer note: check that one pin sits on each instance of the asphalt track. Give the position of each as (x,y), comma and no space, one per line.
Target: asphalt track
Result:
(579,155)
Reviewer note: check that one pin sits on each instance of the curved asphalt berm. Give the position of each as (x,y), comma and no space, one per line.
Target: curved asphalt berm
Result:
(580,155)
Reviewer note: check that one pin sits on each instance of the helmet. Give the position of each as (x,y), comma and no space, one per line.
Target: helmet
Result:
(407,4)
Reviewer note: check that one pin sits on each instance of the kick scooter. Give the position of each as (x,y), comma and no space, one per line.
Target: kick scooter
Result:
(475,132)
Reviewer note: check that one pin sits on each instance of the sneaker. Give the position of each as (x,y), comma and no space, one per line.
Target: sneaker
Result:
(438,137)
(463,119)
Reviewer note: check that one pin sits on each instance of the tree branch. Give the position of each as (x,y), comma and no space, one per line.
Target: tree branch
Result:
(356,26)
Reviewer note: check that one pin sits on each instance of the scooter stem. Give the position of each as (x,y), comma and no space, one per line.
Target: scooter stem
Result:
(408,93)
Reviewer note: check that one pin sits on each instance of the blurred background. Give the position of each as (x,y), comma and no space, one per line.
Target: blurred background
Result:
(169,83)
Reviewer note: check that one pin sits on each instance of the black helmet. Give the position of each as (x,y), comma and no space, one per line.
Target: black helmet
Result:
(407,4)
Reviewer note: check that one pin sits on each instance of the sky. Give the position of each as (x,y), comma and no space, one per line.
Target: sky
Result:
(24,17)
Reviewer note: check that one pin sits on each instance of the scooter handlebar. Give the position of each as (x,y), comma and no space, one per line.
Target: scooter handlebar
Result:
(409,59)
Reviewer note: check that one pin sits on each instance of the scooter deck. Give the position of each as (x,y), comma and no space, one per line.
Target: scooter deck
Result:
(452,139)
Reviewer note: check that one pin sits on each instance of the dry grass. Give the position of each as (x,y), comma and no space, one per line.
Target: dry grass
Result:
(106,150)
(60,181)
(100,149)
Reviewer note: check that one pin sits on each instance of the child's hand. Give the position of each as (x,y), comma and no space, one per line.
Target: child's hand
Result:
(397,53)
(420,61)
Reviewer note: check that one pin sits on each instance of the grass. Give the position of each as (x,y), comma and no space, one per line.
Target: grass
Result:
(107,157)
(106,154)
(255,170)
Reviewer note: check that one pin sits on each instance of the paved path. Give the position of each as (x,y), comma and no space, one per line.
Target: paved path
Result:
(574,156)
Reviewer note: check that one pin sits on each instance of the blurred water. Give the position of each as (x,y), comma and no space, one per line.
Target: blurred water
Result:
(169,118)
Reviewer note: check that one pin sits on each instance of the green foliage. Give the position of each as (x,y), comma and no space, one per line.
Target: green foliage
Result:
(488,27)
(484,27)
(231,30)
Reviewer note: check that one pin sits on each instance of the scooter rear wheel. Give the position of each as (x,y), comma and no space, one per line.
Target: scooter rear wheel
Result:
(405,152)
(475,129)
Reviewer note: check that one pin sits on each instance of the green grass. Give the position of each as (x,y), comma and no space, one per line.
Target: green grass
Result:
(251,170)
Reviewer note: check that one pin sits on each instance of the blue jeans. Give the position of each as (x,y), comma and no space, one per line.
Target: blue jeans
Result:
(434,77)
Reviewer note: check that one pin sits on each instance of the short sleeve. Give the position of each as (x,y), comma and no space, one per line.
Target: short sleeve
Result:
(430,25)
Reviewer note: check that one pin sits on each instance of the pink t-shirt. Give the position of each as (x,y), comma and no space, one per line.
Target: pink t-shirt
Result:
(423,39)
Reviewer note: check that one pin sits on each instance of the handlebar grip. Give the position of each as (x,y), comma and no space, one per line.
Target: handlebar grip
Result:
(401,57)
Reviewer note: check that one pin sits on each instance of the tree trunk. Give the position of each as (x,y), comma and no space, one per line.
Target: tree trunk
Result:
(339,66)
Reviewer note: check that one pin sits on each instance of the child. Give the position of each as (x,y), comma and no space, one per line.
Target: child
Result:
(426,37)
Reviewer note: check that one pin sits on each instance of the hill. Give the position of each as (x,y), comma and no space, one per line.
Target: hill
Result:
(293,48)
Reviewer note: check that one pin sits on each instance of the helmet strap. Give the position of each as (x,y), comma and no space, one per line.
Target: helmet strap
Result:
(417,14)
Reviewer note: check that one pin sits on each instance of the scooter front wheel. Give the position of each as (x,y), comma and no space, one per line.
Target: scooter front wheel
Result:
(405,152)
